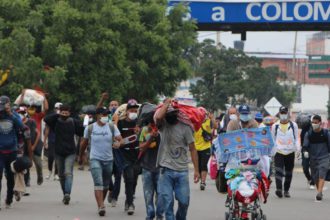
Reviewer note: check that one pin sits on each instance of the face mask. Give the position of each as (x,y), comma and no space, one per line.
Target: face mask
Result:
(22,116)
(113,110)
(233,117)
(132,116)
(31,111)
(316,126)
(63,117)
(90,120)
(283,117)
(245,118)
(57,111)
(171,119)
(104,120)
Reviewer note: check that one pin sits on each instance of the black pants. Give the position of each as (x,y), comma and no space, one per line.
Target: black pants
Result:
(203,159)
(51,158)
(306,169)
(114,186)
(284,165)
(131,174)
(5,161)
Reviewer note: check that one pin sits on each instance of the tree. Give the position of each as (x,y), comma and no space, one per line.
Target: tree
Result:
(228,76)
(75,50)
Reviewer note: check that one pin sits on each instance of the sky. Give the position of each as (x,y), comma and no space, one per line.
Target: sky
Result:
(276,42)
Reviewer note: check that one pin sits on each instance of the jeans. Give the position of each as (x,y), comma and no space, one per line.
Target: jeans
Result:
(131,174)
(101,173)
(177,182)
(65,171)
(150,182)
(5,161)
(114,186)
(306,168)
(284,165)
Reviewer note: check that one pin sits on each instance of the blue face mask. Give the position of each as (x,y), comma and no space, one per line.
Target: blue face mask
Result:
(245,117)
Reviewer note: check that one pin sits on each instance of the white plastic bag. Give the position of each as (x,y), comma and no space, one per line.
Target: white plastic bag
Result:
(31,97)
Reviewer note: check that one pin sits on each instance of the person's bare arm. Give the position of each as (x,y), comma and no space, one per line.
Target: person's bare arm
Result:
(46,137)
(104,97)
(118,142)
(46,105)
(20,101)
(194,159)
(83,146)
(34,145)
(162,112)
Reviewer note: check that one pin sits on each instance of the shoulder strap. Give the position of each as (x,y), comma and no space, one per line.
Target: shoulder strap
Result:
(112,129)
(293,131)
(90,130)
(276,128)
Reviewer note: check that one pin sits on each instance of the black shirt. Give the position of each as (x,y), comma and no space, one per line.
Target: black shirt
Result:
(64,133)
(130,150)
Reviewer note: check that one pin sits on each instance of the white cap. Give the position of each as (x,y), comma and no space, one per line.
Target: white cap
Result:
(58,105)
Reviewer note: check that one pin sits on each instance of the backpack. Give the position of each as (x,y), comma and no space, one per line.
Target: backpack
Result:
(90,130)
(290,126)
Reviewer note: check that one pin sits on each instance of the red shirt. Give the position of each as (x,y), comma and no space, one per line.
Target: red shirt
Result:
(38,118)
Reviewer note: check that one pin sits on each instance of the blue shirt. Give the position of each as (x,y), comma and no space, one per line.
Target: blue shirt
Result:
(101,141)
(9,126)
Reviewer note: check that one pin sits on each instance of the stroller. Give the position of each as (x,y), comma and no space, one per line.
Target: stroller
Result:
(247,187)
(245,153)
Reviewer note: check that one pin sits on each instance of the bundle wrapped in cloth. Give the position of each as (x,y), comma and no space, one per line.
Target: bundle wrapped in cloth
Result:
(189,115)
(31,97)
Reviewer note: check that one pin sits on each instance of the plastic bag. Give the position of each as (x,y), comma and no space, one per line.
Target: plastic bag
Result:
(32,97)
(213,167)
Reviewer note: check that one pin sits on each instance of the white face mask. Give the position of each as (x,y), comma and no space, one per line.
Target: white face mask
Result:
(132,116)
(90,120)
(233,117)
(284,117)
(316,126)
(245,117)
(104,120)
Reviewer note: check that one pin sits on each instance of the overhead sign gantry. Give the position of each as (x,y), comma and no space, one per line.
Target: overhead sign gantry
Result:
(242,16)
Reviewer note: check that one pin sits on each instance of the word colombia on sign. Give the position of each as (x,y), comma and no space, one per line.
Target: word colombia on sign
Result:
(315,15)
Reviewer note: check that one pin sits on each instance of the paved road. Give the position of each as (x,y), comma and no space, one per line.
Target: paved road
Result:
(45,203)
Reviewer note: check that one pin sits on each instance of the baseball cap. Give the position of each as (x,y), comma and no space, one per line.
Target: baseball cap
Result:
(283,109)
(244,109)
(58,105)
(258,116)
(132,103)
(102,111)
(3,101)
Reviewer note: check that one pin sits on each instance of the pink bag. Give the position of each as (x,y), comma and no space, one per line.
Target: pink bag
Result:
(213,167)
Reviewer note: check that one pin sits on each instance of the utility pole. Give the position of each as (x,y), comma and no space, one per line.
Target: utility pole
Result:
(294,54)
(218,44)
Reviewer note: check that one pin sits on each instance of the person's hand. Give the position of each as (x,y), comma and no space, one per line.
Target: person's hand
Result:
(196,176)
(46,145)
(116,145)
(23,91)
(137,129)
(105,96)
(298,155)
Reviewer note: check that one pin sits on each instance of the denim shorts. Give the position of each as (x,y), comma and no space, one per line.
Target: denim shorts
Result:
(101,173)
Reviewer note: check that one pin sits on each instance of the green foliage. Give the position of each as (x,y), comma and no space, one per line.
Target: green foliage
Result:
(77,49)
(230,76)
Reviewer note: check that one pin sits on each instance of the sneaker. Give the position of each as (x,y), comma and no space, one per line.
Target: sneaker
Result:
(131,209)
(202,186)
(26,194)
(287,194)
(102,211)
(48,176)
(8,206)
(311,187)
(40,180)
(81,168)
(56,177)
(126,206)
(17,196)
(319,196)
(113,203)
(279,193)
(66,199)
